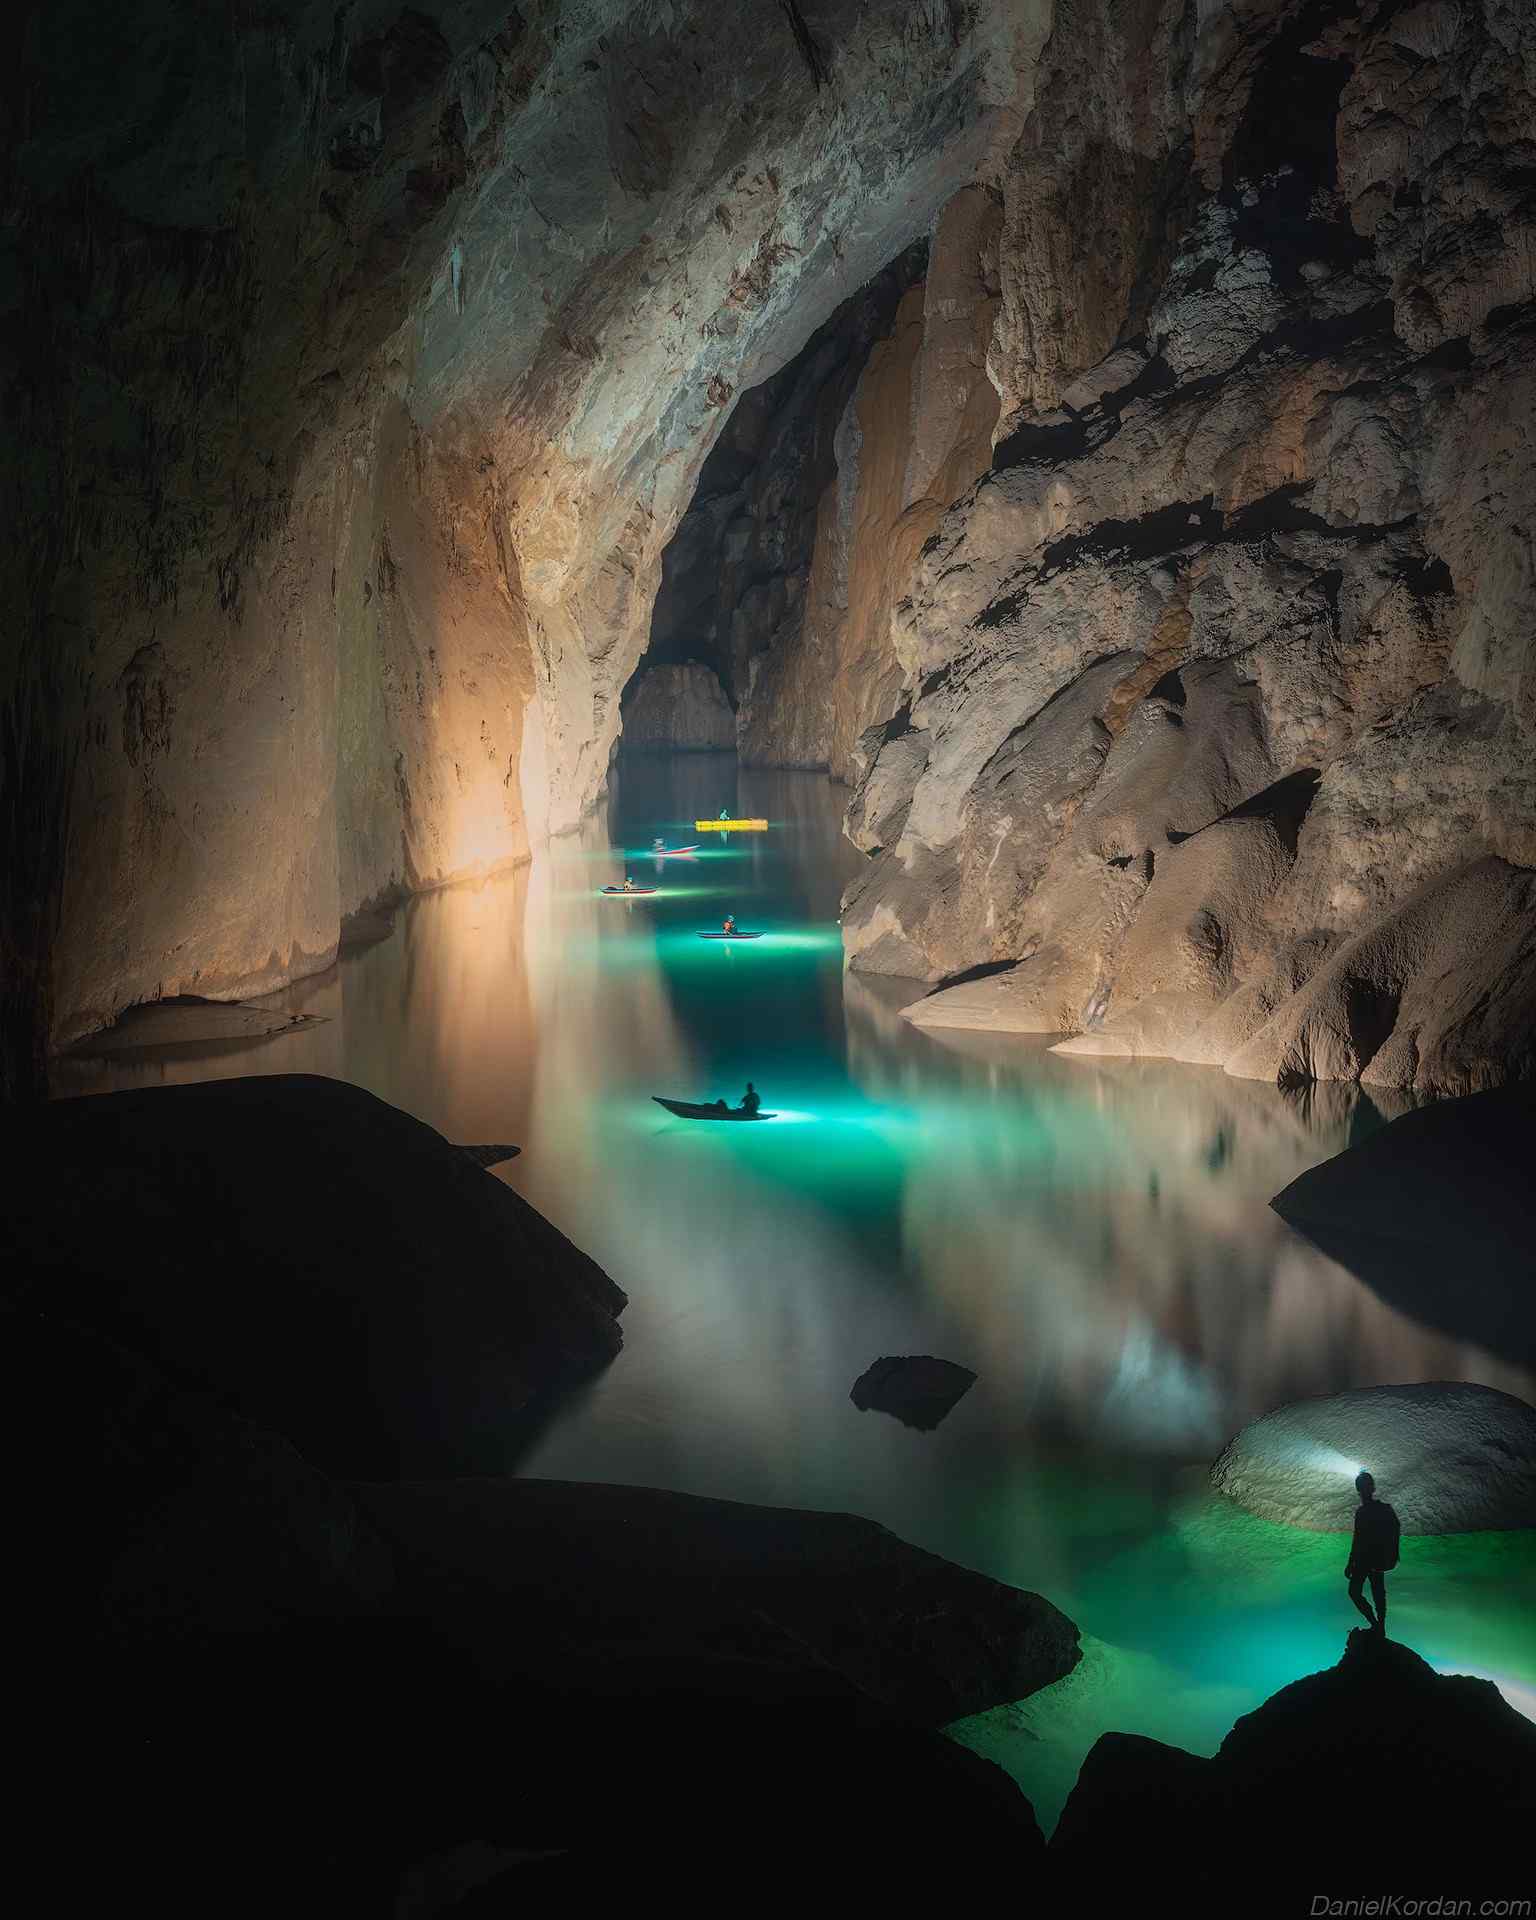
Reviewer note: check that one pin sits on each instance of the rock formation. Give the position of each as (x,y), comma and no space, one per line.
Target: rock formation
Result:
(1437,1213)
(346,1276)
(1376,1773)
(337,1683)
(371,359)
(1215,730)
(678,710)
(1447,1456)
(914,1388)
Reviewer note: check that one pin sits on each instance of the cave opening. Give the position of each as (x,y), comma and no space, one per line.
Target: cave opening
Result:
(755,556)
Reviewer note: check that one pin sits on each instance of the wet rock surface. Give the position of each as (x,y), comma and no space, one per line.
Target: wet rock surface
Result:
(1447,1456)
(324,1678)
(189,1021)
(914,1388)
(1217,673)
(1437,1212)
(1394,1774)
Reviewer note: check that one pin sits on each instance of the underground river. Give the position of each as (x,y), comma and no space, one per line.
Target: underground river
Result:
(1091,1237)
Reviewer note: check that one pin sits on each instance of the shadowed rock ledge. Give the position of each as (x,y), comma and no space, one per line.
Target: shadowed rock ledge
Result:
(1376,1776)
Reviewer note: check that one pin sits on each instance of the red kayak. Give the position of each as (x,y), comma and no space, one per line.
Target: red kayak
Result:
(671,853)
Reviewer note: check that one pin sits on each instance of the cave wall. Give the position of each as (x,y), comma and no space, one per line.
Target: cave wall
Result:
(1216,729)
(359,365)
(917,430)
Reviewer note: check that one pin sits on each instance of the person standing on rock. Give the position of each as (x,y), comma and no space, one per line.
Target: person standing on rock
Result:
(1373,1553)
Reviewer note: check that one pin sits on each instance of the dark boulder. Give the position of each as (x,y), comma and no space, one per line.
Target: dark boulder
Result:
(1437,1213)
(599,1577)
(335,1267)
(1377,1774)
(230,1656)
(915,1388)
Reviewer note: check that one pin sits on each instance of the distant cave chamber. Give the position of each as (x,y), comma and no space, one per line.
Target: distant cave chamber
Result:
(743,641)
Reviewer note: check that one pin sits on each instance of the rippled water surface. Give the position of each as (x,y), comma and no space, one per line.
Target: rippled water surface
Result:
(1092,1237)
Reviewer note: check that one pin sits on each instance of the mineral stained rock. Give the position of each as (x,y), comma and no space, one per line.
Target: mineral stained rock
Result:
(914,1388)
(1437,1213)
(341,1272)
(1392,1773)
(1448,1456)
(680,709)
(1215,725)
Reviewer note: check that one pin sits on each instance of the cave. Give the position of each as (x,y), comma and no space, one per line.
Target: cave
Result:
(945,583)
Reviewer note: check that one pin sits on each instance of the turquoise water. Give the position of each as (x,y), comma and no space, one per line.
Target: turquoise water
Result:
(1092,1237)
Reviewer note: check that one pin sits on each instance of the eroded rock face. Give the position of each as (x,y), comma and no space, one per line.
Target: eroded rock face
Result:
(915,430)
(1215,723)
(679,710)
(1447,1456)
(372,361)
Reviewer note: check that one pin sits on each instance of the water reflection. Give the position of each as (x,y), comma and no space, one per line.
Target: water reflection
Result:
(1092,1237)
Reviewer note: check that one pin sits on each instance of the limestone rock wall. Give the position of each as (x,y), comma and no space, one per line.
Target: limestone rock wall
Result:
(358,366)
(916,429)
(679,709)
(1216,735)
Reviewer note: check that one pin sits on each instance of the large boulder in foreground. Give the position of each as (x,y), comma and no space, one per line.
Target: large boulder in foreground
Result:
(336,1268)
(1437,1213)
(1378,1773)
(596,1577)
(1449,1456)
(352,1688)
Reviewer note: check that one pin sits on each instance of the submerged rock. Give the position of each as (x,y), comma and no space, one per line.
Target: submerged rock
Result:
(187,1021)
(1378,1773)
(1437,1213)
(1449,1456)
(336,1268)
(917,1389)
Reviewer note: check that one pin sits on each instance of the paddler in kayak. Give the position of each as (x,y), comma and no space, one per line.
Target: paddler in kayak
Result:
(629,885)
(730,924)
(725,813)
(749,1100)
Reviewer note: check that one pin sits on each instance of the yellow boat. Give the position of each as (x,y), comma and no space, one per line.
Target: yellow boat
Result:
(731,826)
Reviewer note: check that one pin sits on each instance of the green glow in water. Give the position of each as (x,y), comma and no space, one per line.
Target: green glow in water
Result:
(1093,1238)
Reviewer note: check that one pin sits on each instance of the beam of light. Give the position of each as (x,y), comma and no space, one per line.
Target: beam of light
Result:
(1327,1460)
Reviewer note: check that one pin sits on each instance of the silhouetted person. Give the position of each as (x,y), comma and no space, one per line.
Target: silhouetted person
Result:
(749,1100)
(1373,1553)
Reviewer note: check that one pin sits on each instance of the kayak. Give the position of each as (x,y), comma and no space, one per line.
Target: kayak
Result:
(626,893)
(671,853)
(731,826)
(691,1110)
(730,936)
